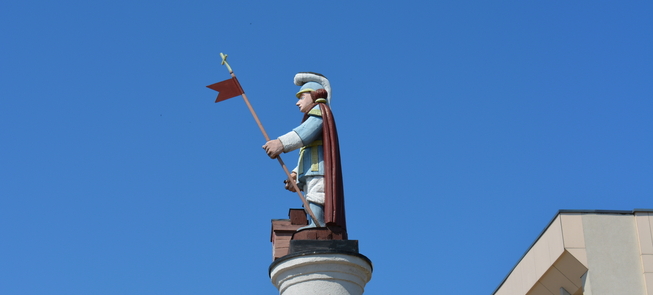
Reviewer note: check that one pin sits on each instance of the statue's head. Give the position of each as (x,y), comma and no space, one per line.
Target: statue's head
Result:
(313,82)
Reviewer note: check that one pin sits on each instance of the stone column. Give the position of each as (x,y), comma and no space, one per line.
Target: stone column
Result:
(318,267)
(317,274)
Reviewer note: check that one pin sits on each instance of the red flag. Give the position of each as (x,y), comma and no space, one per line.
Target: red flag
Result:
(227,88)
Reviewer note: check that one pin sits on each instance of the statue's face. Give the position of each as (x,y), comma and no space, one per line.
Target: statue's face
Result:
(305,102)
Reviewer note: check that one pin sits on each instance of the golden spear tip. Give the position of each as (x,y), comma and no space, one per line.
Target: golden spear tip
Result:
(224,62)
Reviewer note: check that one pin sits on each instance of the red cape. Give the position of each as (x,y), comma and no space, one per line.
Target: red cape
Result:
(334,196)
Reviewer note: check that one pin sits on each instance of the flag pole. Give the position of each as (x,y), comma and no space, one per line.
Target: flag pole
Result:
(307,208)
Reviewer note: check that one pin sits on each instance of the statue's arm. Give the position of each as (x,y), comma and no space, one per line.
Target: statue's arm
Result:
(310,130)
(302,135)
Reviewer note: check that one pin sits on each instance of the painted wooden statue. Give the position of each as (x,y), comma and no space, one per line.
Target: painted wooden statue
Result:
(318,173)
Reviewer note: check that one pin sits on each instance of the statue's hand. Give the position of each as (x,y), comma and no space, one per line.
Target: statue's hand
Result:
(273,148)
(288,182)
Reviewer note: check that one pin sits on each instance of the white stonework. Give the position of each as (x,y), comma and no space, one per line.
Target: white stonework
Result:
(321,274)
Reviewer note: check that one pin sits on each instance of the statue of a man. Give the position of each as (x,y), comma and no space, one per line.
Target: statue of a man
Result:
(318,173)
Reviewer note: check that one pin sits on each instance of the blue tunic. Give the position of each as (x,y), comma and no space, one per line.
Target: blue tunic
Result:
(311,155)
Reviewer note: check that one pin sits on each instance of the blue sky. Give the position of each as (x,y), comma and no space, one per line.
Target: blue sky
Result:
(464,127)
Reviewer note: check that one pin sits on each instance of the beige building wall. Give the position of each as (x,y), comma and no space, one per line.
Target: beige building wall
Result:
(588,253)
(644,221)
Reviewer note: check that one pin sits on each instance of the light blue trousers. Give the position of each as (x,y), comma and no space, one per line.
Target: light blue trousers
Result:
(318,211)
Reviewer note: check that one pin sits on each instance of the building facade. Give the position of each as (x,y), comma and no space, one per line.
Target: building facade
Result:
(583,252)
